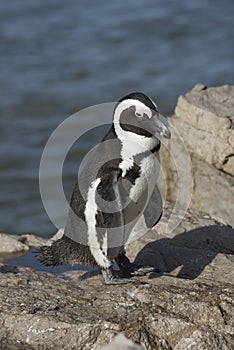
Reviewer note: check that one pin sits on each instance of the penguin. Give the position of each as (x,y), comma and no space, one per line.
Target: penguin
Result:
(116,197)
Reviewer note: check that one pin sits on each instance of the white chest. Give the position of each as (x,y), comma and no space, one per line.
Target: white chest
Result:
(132,147)
(150,168)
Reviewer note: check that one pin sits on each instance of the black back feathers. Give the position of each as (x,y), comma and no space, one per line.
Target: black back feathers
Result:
(142,98)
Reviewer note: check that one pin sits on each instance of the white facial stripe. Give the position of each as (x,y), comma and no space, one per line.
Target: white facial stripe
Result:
(127,135)
(90,217)
(132,144)
(140,108)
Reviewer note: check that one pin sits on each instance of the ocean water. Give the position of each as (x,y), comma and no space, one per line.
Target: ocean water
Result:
(58,57)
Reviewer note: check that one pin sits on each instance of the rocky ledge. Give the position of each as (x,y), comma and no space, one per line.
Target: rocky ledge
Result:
(188,305)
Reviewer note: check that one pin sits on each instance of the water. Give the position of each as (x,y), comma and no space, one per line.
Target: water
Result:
(61,56)
(29,259)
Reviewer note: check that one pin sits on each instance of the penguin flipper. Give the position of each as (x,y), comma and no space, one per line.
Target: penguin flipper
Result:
(153,211)
(150,217)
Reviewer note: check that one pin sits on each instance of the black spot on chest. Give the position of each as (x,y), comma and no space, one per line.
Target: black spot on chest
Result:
(132,174)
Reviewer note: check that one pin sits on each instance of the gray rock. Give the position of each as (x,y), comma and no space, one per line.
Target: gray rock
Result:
(188,304)
(212,191)
(14,245)
(204,122)
(31,241)
(123,343)
(218,101)
(10,244)
(200,341)
(199,248)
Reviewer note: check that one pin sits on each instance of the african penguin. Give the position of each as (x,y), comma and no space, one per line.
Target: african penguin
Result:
(116,193)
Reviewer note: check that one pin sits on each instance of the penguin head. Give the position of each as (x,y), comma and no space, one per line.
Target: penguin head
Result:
(136,113)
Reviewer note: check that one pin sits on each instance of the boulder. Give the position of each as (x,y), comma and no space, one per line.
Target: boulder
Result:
(205,120)
(187,304)
(203,134)
(13,245)
(10,244)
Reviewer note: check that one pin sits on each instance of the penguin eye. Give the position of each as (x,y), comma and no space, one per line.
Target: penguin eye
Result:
(138,114)
(142,116)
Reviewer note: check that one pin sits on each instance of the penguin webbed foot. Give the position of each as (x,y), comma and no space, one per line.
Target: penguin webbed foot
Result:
(110,277)
(132,269)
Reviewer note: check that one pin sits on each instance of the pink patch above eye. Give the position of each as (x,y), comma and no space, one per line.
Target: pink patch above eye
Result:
(142,112)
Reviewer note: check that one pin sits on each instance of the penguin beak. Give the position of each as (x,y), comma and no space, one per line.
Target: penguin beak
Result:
(161,126)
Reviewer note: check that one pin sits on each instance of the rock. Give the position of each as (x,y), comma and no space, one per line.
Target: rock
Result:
(198,248)
(123,343)
(208,185)
(204,118)
(212,147)
(199,341)
(13,245)
(9,244)
(203,133)
(218,101)
(228,166)
(188,304)
(31,241)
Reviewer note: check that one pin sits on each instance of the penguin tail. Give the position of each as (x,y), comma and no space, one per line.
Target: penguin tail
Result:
(65,251)
(50,255)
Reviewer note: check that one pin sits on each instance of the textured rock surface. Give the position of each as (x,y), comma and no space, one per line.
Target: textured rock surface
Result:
(9,244)
(204,124)
(13,244)
(188,305)
(205,117)
(123,343)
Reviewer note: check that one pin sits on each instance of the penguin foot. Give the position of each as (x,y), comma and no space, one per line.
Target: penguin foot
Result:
(110,278)
(132,269)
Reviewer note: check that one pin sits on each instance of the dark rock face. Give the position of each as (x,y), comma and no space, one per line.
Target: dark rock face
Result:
(189,305)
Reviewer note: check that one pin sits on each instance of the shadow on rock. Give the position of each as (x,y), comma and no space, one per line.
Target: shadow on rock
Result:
(192,250)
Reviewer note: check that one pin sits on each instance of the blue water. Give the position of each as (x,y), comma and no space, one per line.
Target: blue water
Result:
(60,56)
(29,259)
